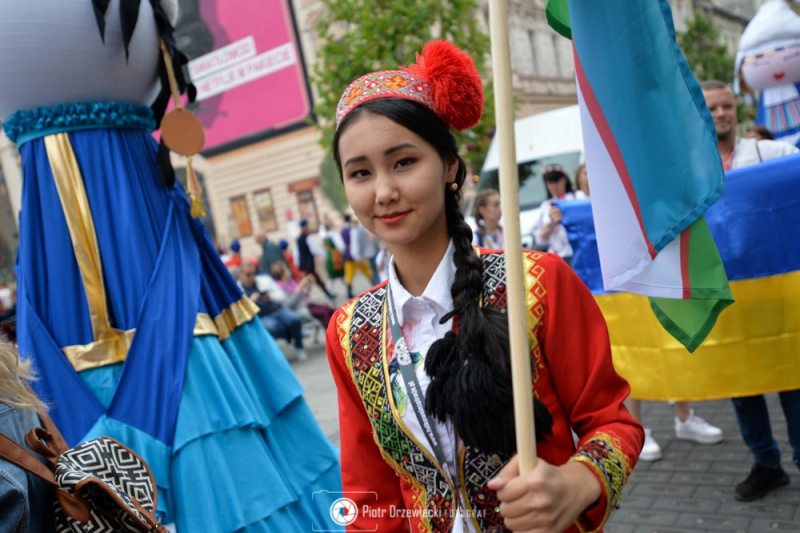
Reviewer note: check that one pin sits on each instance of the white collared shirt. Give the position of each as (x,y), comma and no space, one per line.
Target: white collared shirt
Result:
(748,152)
(419,319)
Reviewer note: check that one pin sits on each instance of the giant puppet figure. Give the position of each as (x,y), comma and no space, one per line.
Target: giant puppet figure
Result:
(768,61)
(134,325)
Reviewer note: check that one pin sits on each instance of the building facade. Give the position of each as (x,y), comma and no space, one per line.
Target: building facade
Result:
(272,183)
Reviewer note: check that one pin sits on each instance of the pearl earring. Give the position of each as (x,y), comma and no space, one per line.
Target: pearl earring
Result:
(454,186)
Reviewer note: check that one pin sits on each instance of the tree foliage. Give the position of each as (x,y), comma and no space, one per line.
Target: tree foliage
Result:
(706,55)
(361,36)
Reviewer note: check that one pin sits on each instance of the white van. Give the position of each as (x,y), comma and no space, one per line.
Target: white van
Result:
(553,137)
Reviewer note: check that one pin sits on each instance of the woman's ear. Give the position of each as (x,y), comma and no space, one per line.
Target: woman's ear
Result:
(451,170)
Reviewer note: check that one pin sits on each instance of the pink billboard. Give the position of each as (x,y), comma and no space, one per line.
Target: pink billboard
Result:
(246,65)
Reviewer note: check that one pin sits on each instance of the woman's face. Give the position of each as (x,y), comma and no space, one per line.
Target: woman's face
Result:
(395,182)
(557,188)
(582,180)
(490,210)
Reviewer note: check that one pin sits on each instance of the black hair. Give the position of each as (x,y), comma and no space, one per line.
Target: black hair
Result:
(470,370)
(555,175)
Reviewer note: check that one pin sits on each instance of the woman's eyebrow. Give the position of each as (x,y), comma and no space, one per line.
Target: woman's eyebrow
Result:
(388,151)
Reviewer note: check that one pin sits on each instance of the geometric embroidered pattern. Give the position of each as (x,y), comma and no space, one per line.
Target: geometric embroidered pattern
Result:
(603,453)
(362,331)
(478,468)
(494,280)
(113,480)
(366,334)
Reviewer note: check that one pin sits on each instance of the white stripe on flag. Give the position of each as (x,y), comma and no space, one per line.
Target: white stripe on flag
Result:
(624,258)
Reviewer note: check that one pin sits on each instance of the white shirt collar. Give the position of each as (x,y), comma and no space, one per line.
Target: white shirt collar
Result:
(436,293)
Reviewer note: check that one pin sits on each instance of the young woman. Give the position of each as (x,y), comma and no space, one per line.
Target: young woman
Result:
(582,179)
(548,231)
(421,361)
(27,500)
(298,292)
(487,215)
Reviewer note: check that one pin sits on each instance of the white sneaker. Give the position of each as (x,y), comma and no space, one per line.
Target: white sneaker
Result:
(651,451)
(698,430)
(300,354)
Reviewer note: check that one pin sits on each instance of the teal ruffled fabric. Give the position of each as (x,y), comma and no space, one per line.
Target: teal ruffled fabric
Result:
(248,454)
(29,124)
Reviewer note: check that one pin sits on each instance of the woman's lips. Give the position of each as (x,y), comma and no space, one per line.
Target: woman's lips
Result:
(393,218)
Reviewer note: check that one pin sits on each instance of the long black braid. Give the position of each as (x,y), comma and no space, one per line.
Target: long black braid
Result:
(470,371)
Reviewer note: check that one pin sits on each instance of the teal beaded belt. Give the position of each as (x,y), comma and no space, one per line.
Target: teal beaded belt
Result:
(29,124)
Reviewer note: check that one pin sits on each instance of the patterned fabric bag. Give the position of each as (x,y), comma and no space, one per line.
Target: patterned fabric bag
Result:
(100,485)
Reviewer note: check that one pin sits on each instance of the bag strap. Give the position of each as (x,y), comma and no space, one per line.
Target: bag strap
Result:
(14,453)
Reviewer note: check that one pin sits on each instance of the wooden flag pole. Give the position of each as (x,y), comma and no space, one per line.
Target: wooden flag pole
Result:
(509,198)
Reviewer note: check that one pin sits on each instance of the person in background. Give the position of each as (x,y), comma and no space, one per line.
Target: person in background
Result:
(307,251)
(281,322)
(26,501)
(582,179)
(334,262)
(487,215)
(382,261)
(760,133)
(688,426)
(297,294)
(363,248)
(288,258)
(751,411)
(352,264)
(234,254)
(270,252)
(548,231)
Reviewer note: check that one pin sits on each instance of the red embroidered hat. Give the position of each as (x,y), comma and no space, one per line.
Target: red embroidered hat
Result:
(444,79)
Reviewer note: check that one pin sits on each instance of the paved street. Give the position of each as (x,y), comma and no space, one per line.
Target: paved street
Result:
(690,489)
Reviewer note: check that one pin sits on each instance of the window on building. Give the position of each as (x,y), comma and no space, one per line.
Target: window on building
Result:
(265,209)
(532,46)
(557,53)
(240,216)
(307,206)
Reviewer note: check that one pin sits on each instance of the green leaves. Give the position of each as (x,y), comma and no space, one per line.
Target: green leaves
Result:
(708,57)
(361,36)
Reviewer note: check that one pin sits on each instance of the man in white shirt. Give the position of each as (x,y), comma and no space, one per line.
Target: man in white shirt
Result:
(737,152)
(751,411)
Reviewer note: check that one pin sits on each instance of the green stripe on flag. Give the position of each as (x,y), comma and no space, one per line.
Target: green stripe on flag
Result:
(690,321)
(558,17)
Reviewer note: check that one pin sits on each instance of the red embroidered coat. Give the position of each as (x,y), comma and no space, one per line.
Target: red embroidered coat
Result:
(386,469)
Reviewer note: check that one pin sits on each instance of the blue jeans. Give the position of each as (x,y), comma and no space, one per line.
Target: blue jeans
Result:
(751,412)
(283,323)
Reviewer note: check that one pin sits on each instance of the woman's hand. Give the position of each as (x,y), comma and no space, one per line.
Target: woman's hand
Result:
(548,498)
(556,216)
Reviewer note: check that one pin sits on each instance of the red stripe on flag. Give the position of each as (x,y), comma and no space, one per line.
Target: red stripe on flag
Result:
(684,237)
(611,145)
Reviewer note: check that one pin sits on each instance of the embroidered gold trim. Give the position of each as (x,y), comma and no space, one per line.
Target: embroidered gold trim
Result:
(612,468)
(534,293)
(230,318)
(102,352)
(473,516)
(110,345)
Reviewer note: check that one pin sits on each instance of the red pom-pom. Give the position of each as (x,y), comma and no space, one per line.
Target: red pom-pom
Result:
(456,86)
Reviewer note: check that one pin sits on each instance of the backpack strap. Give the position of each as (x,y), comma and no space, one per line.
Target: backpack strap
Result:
(14,453)
(47,440)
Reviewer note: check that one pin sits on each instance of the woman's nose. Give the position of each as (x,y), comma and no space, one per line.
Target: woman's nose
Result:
(385,189)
